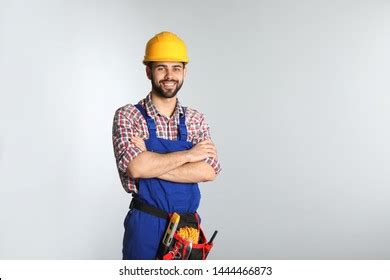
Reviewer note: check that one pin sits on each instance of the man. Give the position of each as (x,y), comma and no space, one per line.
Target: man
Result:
(162,150)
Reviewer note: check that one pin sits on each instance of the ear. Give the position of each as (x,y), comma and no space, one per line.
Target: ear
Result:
(185,71)
(148,72)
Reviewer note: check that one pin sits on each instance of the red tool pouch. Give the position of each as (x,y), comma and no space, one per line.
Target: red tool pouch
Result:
(178,249)
(181,249)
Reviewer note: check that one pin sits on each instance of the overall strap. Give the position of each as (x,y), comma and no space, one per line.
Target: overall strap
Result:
(149,121)
(182,129)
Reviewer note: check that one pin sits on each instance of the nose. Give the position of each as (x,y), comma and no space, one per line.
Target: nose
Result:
(168,74)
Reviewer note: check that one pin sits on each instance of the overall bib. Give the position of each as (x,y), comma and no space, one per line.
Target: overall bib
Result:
(143,231)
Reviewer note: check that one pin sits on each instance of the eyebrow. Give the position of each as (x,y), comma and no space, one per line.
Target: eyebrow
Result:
(163,65)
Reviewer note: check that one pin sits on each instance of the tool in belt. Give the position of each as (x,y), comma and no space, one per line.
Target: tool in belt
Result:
(173,245)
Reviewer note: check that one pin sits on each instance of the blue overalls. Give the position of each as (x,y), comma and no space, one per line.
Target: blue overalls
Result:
(143,231)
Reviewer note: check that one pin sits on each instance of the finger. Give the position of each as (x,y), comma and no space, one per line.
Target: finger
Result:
(213,155)
(208,141)
(208,144)
(210,149)
(138,142)
(138,138)
(206,147)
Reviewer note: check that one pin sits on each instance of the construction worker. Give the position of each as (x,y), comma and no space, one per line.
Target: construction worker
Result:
(162,150)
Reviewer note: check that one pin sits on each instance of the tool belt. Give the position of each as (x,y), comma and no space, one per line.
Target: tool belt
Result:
(179,248)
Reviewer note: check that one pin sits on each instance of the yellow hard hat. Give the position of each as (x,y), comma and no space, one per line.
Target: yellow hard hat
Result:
(166,46)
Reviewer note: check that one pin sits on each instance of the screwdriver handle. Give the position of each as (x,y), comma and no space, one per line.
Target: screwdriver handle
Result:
(213,236)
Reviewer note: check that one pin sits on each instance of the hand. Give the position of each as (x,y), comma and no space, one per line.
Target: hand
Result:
(202,150)
(138,142)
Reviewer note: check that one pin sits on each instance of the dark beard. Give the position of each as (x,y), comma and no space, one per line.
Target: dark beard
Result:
(160,92)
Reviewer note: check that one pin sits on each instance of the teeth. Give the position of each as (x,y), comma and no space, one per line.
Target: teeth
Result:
(169,84)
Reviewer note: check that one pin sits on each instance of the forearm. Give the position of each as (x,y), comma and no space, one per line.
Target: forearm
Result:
(193,172)
(152,165)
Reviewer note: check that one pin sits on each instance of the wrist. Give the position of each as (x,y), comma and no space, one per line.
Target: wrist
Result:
(187,156)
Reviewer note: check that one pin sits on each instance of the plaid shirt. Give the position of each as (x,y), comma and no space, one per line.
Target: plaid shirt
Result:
(129,122)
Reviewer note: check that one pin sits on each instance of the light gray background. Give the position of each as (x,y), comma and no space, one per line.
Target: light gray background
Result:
(296,94)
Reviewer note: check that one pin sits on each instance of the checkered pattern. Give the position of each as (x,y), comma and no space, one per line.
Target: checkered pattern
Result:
(129,122)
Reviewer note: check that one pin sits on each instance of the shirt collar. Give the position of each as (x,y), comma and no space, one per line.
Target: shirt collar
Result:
(152,111)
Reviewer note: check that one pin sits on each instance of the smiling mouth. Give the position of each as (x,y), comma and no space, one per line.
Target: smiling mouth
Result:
(169,84)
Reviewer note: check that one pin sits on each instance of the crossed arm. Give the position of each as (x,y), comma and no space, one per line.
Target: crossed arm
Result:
(182,166)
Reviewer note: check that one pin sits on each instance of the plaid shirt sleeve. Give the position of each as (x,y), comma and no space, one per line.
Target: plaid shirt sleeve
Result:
(204,134)
(122,130)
